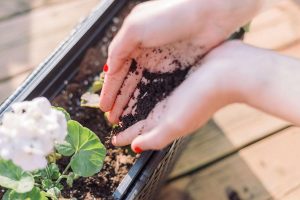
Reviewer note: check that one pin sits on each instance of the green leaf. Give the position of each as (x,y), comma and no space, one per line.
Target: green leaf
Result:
(13,177)
(47,184)
(53,171)
(65,149)
(53,157)
(54,193)
(70,179)
(6,195)
(67,115)
(34,194)
(97,84)
(89,151)
(50,172)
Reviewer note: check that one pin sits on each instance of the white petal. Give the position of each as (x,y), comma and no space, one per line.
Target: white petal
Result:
(29,162)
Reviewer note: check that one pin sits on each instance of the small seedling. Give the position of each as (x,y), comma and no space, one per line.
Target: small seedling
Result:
(91,97)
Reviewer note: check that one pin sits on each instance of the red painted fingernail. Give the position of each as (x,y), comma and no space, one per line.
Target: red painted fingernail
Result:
(105,68)
(137,150)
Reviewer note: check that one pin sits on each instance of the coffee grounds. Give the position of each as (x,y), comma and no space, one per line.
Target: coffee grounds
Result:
(154,88)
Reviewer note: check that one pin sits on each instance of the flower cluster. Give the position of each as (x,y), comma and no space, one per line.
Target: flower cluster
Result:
(28,133)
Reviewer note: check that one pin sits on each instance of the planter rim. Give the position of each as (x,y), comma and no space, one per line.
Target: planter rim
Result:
(59,66)
(76,43)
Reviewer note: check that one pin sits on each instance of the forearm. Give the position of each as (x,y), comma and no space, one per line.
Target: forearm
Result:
(273,85)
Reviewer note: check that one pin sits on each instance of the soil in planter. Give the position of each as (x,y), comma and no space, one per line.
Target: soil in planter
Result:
(118,161)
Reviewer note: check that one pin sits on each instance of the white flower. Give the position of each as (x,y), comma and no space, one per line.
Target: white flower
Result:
(28,133)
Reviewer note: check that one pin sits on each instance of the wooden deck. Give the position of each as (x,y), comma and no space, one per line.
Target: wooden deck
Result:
(30,30)
(241,154)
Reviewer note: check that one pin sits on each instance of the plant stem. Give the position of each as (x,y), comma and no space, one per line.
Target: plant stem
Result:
(64,172)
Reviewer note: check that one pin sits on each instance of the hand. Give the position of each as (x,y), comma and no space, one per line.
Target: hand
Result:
(165,59)
(157,23)
(233,72)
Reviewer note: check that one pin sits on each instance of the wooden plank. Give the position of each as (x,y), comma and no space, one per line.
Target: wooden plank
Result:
(10,8)
(268,169)
(276,27)
(241,123)
(7,87)
(238,125)
(220,182)
(276,161)
(27,39)
(212,142)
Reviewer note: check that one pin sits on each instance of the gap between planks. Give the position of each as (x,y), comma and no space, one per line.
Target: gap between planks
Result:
(268,169)
(26,40)
(209,146)
(30,40)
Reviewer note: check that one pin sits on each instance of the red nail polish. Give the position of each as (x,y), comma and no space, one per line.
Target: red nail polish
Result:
(105,68)
(137,150)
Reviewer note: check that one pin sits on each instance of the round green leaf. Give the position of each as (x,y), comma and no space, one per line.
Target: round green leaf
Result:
(13,177)
(89,151)
(65,149)
(34,194)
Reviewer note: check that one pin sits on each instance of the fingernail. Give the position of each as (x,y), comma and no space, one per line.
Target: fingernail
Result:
(137,150)
(105,68)
(114,140)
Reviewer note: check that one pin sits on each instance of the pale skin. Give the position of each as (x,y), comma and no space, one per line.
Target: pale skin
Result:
(232,72)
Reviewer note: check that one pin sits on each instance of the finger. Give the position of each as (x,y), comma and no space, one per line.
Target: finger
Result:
(111,87)
(125,137)
(130,109)
(125,95)
(123,46)
(154,117)
(157,138)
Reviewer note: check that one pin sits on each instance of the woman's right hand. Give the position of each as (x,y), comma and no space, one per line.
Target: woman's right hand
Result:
(232,72)
(157,23)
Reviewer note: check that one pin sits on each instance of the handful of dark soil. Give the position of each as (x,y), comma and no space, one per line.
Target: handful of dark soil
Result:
(155,86)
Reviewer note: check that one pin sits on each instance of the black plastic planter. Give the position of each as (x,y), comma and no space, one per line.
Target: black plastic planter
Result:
(151,169)
(48,79)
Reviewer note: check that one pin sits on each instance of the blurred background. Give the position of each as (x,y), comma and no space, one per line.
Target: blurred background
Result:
(242,154)
(30,30)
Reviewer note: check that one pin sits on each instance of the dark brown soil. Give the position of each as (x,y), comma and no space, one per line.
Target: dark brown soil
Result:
(154,89)
(118,160)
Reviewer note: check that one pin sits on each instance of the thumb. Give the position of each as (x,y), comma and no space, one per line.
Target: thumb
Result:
(156,139)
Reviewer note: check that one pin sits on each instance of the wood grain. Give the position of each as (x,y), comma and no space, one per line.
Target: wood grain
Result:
(7,87)
(276,27)
(28,39)
(268,169)
(11,8)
